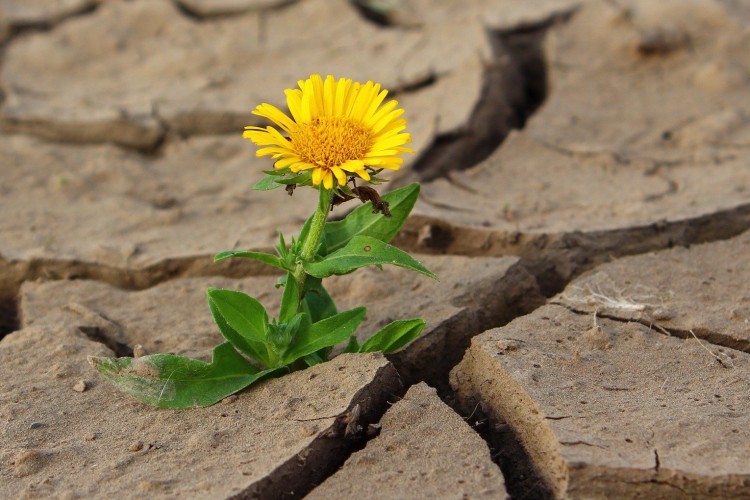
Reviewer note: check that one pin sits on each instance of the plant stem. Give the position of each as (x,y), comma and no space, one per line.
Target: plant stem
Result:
(313,237)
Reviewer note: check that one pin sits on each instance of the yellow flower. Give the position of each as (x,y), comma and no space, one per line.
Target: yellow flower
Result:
(336,128)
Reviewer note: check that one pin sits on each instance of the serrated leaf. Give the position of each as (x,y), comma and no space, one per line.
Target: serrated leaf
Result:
(364,251)
(171,381)
(325,333)
(255,350)
(243,313)
(393,336)
(361,220)
(266,258)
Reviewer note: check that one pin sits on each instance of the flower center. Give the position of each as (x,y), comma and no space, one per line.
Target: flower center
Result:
(329,141)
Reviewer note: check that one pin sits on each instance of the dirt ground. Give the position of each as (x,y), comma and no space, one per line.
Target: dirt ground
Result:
(585,200)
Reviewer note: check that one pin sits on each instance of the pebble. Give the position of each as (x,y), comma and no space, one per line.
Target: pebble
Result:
(36,425)
(136,446)
(80,386)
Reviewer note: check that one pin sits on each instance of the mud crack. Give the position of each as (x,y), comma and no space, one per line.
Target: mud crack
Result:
(554,259)
(515,85)
(522,481)
(713,338)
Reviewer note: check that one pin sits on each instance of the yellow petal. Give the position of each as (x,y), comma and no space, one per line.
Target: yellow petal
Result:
(392,128)
(317,107)
(260,138)
(390,166)
(307,104)
(398,140)
(328,180)
(376,101)
(342,91)
(387,108)
(280,139)
(363,173)
(273,151)
(340,175)
(287,162)
(275,115)
(350,98)
(362,102)
(377,161)
(294,102)
(384,121)
(352,165)
(328,94)
(317,176)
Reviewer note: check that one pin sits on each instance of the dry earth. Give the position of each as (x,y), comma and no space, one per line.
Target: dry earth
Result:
(588,154)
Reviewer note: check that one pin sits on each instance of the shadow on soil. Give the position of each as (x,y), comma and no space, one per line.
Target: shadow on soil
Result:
(9,321)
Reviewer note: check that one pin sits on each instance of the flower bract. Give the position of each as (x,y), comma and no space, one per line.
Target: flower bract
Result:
(337,128)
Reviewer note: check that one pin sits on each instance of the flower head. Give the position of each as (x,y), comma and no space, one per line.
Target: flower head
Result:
(336,129)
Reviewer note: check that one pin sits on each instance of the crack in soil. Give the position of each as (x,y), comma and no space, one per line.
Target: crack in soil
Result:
(431,357)
(515,85)
(554,259)
(102,336)
(522,481)
(711,337)
(327,453)
(21,28)
(9,320)
(14,272)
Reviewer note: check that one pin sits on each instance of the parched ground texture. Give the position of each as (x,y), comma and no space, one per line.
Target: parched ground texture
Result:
(585,201)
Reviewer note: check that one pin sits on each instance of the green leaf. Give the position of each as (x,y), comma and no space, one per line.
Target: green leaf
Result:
(325,333)
(353,345)
(243,313)
(313,359)
(282,249)
(364,251)
(361,220)
(276,172)
(393,336)
(317,302)
(171,381)
(289,299)
(253,349)
(304,231)
(266,258)
(301,179)
(266,184)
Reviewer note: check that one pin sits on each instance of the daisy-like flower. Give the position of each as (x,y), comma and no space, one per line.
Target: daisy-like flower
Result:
(336,128)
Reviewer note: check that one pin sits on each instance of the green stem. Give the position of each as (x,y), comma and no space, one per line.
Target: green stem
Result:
(317,225)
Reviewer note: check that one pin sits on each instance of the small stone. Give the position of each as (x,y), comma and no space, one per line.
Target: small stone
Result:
(373,430)
(80,386)
(136,446)
(138,351)
(36,425)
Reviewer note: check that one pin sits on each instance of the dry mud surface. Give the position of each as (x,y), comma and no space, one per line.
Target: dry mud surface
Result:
(585,201)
